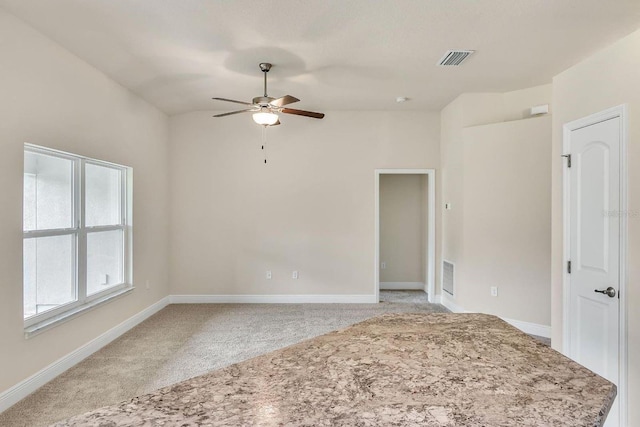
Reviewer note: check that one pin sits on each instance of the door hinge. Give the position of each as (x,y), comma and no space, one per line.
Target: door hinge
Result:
(569,267)
(568,156)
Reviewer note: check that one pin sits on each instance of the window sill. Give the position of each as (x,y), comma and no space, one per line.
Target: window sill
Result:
(36,329)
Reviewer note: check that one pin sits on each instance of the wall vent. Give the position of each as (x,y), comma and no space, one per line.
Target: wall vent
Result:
(447,277)
(454,58)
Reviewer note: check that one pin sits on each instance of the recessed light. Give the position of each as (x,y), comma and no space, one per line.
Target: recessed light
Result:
(401,99)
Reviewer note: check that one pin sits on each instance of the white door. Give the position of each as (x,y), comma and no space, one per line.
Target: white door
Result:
(594,216)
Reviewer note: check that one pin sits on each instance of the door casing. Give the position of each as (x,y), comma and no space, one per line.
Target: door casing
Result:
(621,112)
(431,228)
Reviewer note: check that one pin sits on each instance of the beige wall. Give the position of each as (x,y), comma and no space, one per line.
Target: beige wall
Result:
(403,227)
(310,208)
(472,109)
(606,79)
(507,220)
(466,110)
(517,104)
(52,98)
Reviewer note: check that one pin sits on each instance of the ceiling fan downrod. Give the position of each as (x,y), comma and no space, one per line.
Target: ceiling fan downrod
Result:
(265,67)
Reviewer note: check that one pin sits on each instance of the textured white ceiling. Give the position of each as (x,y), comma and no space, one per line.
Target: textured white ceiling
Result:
(333,55)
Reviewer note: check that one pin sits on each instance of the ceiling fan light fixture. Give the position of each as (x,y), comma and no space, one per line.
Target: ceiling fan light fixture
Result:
(265,118)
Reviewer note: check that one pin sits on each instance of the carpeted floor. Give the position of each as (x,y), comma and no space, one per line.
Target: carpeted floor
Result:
(183,341)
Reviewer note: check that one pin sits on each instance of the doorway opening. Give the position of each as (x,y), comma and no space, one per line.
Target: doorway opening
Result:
(405,234)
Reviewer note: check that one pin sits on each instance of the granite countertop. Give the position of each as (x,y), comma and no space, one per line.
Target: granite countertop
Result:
(391,370)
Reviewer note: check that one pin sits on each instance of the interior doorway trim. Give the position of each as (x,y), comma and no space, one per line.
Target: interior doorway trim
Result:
(611,113)
(431,227)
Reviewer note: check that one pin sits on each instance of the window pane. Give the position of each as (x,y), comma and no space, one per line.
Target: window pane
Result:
(102,195)
(105,260)
(49,279)
(48,192)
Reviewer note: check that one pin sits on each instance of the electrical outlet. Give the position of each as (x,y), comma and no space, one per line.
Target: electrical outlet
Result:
(494,291)
(294,275)
(383,265)
(148,285)
(268,274)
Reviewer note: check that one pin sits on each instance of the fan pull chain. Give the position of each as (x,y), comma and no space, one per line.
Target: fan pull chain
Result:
(264,142)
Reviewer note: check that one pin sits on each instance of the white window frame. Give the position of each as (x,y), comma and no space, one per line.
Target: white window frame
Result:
(80,231)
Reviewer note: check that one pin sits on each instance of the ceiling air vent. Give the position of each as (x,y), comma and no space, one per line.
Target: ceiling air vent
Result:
(454,57)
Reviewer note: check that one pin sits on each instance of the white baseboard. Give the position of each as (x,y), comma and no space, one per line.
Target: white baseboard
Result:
(530,328)
(526,327)
(402,286)
(446,301)
(24,388)
(273,299)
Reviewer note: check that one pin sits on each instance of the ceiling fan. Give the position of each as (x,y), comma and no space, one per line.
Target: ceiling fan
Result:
(265,109)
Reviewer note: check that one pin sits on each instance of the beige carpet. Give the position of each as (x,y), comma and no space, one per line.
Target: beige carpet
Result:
(183,341)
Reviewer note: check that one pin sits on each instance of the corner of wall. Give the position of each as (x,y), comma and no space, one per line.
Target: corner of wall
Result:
(468,110)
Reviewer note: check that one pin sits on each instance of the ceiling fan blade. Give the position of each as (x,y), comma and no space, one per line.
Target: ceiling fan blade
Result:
(232,100)
(285,100)
(234,112)
(302,113)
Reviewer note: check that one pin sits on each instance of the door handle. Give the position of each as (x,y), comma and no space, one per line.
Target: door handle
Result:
(611,292)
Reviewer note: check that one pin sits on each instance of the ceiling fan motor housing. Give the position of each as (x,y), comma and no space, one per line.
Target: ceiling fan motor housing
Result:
(263,101)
